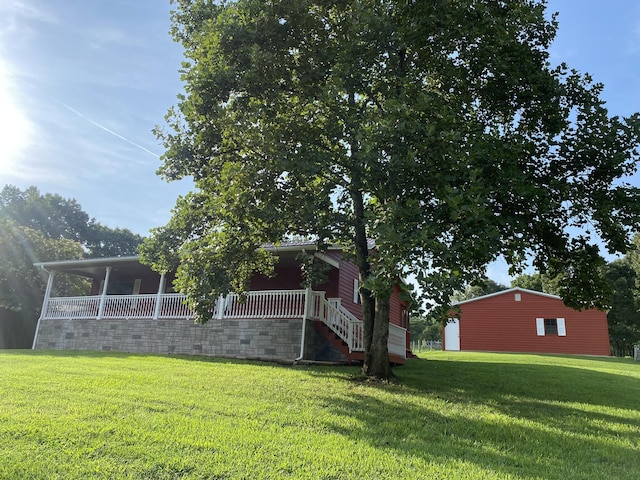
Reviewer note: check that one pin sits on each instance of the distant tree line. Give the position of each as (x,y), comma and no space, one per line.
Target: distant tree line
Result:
(36,227)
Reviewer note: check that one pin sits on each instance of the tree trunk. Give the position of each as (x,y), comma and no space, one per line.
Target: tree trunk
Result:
(375,312)
(364,268)
(376,358)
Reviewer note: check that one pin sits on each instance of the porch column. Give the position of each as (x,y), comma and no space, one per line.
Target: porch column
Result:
(307,306)
(156,313)
(222,302)
(103,295)
(45,306)
(47,294)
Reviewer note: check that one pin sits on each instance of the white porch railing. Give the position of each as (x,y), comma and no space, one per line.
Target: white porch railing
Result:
(265,304)
(117,306)
(129,306)
(71,307)
(172,306)
(285,304)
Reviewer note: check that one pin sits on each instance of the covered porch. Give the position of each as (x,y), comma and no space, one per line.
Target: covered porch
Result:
(120,291)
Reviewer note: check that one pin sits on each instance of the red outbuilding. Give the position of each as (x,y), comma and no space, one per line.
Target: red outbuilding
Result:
(520,320)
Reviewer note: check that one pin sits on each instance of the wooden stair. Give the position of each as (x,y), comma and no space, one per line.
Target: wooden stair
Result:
(342,347)
(337,342)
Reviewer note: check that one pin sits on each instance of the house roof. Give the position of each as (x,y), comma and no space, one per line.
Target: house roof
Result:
(510,290)
(93,267)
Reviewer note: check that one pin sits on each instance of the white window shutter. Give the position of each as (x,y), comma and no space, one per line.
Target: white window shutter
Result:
(540,326)
(356,291)
(562,330)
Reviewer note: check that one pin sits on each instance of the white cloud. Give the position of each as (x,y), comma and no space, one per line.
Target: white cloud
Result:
(32,9)
(16,17)
(106,37)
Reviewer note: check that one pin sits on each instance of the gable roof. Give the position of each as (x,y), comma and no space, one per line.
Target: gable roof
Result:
(503,292)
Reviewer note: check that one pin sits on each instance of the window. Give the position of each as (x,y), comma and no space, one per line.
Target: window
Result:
(551,326)
(124,287)
(404,318)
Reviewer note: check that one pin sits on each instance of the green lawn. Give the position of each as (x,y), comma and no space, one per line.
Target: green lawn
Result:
(453,415)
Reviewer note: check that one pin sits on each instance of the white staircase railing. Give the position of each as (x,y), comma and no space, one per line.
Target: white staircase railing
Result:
(344,324)
(339,320)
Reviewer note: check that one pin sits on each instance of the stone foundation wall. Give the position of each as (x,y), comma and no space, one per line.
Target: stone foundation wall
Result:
(261,339)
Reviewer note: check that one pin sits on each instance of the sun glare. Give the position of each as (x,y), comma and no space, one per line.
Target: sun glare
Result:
(15,127)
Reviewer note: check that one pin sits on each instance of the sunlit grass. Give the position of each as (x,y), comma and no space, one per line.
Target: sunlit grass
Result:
(452,415)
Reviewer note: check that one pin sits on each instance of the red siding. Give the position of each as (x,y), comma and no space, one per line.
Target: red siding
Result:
(499,323)
(348,272)
(330,287)
(286,278)
(290,278)
(396,309)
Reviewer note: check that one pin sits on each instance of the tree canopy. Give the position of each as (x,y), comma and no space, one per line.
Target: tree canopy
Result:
(438,128)
(56,217)
(539,282)
(623,317)
(22,285)
(482,287)
(37,227)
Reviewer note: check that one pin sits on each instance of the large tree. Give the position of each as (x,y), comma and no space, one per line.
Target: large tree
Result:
(22,285)
(57,217)
(437,128)
(36,227)
(623,317)
(540,282)
(484,286)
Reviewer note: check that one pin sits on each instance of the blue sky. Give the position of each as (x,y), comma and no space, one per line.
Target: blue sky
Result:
(83,82)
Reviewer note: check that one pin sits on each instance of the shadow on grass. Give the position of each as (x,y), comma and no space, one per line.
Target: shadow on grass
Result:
(599,359)
(483,381)
(530,421)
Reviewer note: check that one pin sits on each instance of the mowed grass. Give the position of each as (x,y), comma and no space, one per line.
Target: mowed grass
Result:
(452,415)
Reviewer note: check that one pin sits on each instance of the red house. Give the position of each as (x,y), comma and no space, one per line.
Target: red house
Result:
(129,307)
(519,320)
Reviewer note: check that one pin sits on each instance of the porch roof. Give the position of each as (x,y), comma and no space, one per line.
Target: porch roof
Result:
(95,267)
